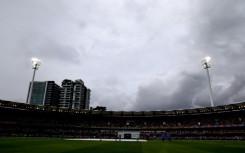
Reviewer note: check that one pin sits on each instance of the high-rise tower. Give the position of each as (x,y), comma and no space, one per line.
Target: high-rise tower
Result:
(44,93)
(66,94)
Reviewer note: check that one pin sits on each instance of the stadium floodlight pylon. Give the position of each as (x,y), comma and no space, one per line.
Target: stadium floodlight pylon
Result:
(35,65)
(206,62)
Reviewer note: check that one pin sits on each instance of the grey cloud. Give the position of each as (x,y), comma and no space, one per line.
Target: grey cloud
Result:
(138,9)
(176,93)
(127,43)
(190,90)
(234,92)
(190,85)
(49,49)
(218,27)
(113,99)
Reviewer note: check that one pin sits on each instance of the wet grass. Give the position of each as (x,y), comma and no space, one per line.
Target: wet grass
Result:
(54,145)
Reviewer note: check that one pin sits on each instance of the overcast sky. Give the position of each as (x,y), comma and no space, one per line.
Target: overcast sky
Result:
(133,54)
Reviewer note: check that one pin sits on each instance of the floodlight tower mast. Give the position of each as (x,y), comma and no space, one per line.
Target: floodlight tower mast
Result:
(206,65)
(35,65)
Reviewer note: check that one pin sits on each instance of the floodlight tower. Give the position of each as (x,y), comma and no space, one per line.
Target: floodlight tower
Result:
(35,65)
(206,65)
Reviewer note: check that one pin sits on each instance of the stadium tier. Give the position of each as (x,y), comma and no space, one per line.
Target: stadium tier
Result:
(220,122)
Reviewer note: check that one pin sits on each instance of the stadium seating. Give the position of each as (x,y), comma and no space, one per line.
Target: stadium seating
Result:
(220,122)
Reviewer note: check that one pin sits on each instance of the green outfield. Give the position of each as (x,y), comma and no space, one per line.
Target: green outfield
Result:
(53,145)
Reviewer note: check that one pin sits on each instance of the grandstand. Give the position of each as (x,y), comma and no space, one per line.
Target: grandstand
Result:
(225,122)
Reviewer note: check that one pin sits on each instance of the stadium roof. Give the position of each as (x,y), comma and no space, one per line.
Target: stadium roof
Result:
(207,110)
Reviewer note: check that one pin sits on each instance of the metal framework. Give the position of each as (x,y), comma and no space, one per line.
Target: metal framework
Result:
(206,62)
(35,65)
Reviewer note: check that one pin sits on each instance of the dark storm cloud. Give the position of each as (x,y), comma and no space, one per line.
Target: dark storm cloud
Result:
(233,92)
(216,28)
(171,94)
(190,90)
(130,48)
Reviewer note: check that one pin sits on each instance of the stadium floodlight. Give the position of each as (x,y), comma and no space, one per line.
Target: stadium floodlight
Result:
(206,62)
(35,65)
